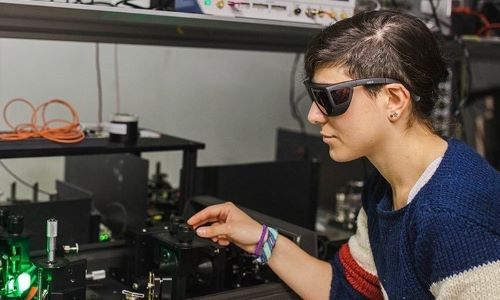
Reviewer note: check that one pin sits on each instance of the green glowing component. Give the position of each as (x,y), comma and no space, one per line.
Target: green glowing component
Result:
(10,285)
(208,2)
(103,237)
(17,272)
(24,282)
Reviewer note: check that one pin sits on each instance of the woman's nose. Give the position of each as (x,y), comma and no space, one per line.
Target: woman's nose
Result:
(315,116)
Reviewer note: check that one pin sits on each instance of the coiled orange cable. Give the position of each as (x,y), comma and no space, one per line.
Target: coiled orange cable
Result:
(68,133)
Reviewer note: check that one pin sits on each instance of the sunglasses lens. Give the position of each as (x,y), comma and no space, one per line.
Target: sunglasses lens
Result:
(341,96)
(331,102)
(321,99)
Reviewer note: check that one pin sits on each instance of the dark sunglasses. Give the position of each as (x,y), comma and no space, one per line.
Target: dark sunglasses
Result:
(334,99)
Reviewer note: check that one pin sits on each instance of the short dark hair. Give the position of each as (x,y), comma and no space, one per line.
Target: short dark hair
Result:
(386,44)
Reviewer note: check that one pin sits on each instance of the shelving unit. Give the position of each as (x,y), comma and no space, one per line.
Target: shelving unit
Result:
(93,145)
(93,23)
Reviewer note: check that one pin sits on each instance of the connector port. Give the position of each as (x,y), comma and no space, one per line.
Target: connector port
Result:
(278,7)
(260,5)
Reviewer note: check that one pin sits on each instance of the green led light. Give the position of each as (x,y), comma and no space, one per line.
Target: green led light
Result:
(103,237)
(23,282)
(208,2)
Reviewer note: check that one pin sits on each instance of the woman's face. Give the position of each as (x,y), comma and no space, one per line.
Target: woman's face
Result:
(358,131)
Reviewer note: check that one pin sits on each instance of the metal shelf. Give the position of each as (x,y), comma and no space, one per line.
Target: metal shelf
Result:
(483,49)
(40,147)
(92,23)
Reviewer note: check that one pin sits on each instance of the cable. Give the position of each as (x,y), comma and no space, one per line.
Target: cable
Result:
(120,2)
(99,84)
(126,2)
(488,27)
(378,6)
(466,79)
(117,80)
(468,11)
(125,215)
(465,86)
(92,2)
(436,18)
(68,133)
(293,106)
(19,179)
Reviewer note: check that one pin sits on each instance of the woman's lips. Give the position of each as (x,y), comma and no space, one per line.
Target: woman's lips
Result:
(327,136)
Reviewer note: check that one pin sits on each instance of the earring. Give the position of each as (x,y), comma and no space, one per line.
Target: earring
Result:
(393,115)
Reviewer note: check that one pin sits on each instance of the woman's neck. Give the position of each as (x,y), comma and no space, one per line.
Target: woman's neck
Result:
(404,157)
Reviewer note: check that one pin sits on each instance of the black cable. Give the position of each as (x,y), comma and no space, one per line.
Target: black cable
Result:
(126,2)
(465,87)
(117,79)
(466,78)
(125,215)
(100,3)
(22,180)
(99,85)
(300,97)
(293,103)
(434,14)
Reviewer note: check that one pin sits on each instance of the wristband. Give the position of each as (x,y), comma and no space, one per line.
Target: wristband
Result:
(268,247)
(258,248)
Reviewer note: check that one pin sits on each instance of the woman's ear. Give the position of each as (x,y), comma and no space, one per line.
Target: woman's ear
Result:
(398,102)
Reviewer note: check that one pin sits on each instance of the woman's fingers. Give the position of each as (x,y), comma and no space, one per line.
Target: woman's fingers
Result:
(208,214)
(209,220)
(214,230)
(221,240)
(224,242)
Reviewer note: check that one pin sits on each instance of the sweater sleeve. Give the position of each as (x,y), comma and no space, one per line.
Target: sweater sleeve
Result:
(461,258)
(354,273)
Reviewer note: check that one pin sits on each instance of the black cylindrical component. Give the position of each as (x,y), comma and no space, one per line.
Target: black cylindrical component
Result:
(4,217)
(174,224)
(13,189)
(15,224)
(158,168)
(124,128)
(35,192)
(185,233)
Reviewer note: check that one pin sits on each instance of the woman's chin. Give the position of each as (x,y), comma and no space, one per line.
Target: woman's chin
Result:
(341,156)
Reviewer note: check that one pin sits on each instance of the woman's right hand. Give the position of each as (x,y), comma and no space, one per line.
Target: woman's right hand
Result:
(228,224)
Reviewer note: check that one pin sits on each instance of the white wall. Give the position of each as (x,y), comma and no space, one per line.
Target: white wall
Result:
(233,101)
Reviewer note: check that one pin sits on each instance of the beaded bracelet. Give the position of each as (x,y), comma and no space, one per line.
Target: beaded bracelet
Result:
(267,248)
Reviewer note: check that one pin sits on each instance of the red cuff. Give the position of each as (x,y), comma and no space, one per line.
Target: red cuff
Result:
(363,282)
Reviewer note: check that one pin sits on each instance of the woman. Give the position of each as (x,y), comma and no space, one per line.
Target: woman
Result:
(429,225)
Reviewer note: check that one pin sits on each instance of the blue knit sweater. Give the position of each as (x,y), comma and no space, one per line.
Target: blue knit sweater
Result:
(444,243)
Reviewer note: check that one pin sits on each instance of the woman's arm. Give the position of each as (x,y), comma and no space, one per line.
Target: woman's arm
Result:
(308,276)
